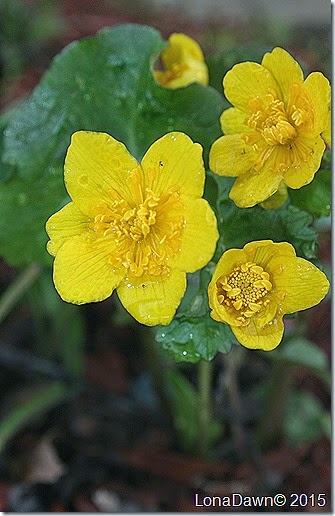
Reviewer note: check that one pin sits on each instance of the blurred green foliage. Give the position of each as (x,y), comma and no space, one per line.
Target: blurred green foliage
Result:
(24,27)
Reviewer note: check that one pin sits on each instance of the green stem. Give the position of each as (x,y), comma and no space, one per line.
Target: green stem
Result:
(232,365)
(271,423)
(17,289)
(205,407)
(154,364)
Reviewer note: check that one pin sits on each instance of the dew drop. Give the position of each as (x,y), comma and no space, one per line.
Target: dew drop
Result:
(184,352)
(163,335)
(281,294)
(191,336)
(22,199)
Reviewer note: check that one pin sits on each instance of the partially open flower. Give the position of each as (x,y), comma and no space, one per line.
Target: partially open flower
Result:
(183,63)
(277,129)
(131,227)
(254,287)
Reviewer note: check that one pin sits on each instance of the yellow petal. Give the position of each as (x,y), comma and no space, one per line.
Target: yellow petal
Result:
(254,187)
(227,263)
(267,313)
(95,164)
(277,199)
(284,69)
(231,156)
(199,237)
(266,338)
(232,121)
(304,284)
(245,81)
(303,173)
(327,133)
(66,223)
(183,63)
(318,89)
(180,45)
(82,273)
(174,162)
(264,252)
(153,300)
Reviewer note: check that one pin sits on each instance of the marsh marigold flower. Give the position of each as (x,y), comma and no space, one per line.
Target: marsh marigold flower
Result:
(254,287)
(131,227)
(275,132)
(183,63)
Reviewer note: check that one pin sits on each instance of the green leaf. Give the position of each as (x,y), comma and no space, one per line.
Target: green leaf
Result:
(315,197)
(285,224)
(184,405)
(102,83)
(5,169)
(185,411)
(306,419)
(190,339)
(303,352)
(220,63)
(41,400)
(24,210)
(195,300)
(61,331)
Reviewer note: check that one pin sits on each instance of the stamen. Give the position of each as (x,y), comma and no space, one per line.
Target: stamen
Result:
(140,231)
(244,290)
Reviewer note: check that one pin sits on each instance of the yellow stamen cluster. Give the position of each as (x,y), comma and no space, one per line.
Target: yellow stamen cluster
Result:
(141,230)
(244,290)
(270,118)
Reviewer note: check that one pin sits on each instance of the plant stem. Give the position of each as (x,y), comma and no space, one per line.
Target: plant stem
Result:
(232,366)
(205,407)
(154,364)
(17,289)
(270,426)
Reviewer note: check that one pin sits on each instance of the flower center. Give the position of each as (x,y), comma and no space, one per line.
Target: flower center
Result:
(244,290)
(271,120)
(147,235)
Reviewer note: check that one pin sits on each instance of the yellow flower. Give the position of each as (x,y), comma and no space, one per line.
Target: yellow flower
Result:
(254,287)
(183,63)
(131,227)
(273,132)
